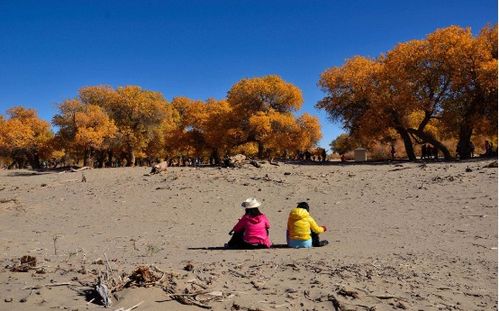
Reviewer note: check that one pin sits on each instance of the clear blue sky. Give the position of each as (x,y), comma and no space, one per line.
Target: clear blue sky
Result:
(199,49)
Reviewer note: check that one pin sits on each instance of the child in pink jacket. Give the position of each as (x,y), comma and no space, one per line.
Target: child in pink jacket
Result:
(252,230)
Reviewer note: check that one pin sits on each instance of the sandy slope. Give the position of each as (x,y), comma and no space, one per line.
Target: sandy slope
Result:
(420,238)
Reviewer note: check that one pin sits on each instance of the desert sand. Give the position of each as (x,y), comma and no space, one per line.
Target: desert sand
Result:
(402,236)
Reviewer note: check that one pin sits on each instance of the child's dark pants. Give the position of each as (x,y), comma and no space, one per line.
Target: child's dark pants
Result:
(237,242)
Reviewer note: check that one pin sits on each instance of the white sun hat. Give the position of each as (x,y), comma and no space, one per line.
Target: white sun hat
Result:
(250,203)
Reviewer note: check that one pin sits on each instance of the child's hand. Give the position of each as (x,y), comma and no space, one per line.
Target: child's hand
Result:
(325,228)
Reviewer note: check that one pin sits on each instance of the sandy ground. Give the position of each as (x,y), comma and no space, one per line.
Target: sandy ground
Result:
(401,237)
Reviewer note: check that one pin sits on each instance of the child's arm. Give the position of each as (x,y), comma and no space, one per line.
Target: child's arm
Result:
(267,223)
(314,227)
(239,226)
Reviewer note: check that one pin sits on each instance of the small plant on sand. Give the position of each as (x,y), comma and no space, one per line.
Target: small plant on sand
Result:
(152,249)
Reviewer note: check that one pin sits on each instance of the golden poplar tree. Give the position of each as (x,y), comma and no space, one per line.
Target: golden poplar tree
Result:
(422,89)
(85,129)
(24,137)
(262,108)
(137,114)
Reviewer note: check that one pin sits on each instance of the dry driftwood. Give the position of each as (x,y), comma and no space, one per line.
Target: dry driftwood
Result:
(149,276)
(80,169)
(103,292)
(25,264)
(255,164)
(492,164)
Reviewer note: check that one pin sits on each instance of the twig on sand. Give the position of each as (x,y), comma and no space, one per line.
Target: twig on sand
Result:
(239,274)
(336,304)
(131,308)
(348,293)
(186,301)
(69,180)
(186,295)
(198,299)
(480,245)
(9,200)
(108,265)
(49,285)
(55,237)
(24,299)
(400,169)
(385,297)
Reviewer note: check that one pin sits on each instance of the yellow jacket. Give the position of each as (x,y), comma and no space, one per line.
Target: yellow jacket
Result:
(300,224)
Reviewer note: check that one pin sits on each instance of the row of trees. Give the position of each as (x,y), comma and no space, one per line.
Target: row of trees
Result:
(423,91)
(103,125)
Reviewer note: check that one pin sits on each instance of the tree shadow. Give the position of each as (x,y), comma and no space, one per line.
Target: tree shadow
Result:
(27,173)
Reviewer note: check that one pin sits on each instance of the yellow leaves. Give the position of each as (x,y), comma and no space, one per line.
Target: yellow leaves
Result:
(93,127)
(416,117)
(57,154)
(84,126)
(141,117)
(349,88)
(17,134)
(249,149)
(24,130)
(130,121)
(309,132)
(440,75)
(488,37)
(281,131)
(261,108)
(264,93)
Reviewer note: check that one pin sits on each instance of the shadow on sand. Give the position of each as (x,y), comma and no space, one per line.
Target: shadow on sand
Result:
(221,248)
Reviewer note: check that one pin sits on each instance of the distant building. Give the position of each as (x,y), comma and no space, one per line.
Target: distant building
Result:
(360,154)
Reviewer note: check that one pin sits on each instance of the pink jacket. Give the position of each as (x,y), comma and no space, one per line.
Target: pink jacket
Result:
(255,229)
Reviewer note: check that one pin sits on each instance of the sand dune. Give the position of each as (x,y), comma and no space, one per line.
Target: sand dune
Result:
(401,236)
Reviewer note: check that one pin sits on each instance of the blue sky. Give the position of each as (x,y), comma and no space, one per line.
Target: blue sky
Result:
(199,49)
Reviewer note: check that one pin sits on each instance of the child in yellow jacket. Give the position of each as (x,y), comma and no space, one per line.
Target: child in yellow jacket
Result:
(303,231)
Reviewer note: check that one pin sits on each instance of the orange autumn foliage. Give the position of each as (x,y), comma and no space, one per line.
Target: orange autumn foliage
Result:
(25,137)
(424,90)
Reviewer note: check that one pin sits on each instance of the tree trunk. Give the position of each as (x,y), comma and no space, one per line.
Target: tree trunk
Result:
(215,157)
(109,159)
(464,144)
(130,158)
(86,157)
(402,131)
(101,158)
(409,149)
(428,138)
(34,160)
(261,149)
